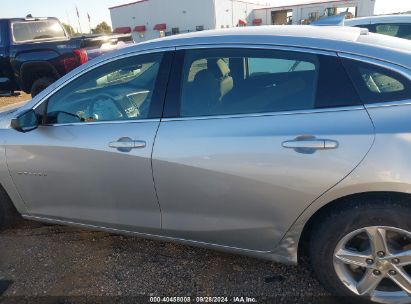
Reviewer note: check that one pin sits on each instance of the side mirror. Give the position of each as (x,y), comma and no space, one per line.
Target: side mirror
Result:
(25,122)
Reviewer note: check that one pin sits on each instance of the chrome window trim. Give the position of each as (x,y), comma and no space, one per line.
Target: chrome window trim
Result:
(108,60)
(281,113)
(112,122)
(256,47)
(406,102)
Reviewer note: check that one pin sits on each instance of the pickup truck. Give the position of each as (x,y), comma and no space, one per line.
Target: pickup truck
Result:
(35,52)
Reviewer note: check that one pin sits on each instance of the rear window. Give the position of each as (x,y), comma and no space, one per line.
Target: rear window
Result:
(37,30)
(377,84)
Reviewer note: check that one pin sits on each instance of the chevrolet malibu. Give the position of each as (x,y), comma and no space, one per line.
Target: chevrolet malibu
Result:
(273,142)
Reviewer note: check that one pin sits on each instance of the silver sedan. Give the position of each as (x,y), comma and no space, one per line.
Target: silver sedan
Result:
(273,142)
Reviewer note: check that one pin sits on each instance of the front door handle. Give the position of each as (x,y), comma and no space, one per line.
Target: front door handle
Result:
(310,145)
(126,144)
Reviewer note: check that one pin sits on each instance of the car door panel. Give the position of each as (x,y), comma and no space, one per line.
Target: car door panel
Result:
(230,181)
(90,159)
(70,172)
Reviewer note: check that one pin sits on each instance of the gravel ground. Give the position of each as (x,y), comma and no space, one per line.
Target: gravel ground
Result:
(18,97)
(45,261)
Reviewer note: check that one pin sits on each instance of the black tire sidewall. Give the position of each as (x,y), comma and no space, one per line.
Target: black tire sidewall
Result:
(337,225)
(41,84)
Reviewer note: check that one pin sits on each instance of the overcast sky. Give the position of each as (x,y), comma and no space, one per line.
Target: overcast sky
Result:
(98,9)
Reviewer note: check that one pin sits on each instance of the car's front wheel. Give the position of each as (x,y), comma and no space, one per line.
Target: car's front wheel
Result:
(364,249)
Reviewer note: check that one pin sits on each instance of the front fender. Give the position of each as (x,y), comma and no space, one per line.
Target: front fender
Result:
(6,180)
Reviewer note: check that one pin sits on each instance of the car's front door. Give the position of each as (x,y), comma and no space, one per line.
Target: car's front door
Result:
(258,136)
(90,161)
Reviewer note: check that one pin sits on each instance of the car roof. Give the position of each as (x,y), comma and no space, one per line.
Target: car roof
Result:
(401,18)
(296,31)
(342,39)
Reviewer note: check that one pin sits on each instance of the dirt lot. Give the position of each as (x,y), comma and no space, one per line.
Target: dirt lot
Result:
(19,97)
(46,262)
(54,264)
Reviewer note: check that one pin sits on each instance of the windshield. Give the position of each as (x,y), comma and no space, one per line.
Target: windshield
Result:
(37,30)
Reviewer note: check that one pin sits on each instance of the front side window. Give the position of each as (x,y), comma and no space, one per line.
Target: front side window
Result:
(377,84)
(239,81)
(120,90)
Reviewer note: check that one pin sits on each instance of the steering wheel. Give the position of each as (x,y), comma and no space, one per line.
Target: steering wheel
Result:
(110,108)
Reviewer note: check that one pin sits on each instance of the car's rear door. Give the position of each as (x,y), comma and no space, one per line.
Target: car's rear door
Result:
(238,157)
(90,162)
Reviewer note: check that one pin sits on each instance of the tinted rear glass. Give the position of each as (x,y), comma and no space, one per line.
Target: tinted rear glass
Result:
(377,84)
(37,30)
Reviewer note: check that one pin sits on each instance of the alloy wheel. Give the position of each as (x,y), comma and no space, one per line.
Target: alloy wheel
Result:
(376,262)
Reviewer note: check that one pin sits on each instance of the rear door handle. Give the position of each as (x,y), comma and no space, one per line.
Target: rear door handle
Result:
(313,144)
(126,144)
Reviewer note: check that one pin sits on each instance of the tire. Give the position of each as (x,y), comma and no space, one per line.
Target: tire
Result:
(8,213)
(40,84)
(358,219)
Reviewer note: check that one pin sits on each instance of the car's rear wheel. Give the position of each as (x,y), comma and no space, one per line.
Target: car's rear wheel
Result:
(8,213)
(364,250)
(40,84)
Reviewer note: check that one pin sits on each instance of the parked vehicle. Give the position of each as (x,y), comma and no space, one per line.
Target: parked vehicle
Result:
(35,52)
(391,25)
(274,142)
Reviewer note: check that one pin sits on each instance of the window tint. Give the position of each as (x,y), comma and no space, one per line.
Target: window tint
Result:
(396,30)
(120,90)
(239,81)
(335,88)
(377,84)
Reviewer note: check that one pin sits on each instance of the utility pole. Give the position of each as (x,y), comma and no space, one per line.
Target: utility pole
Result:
(78,19)
(89,21)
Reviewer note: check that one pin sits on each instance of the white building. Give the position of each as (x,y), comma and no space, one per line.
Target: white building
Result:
(148,19)
(306,11)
